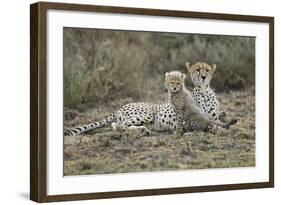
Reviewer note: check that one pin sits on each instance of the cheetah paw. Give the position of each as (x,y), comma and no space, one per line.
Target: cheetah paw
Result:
(145,131)
(222,115)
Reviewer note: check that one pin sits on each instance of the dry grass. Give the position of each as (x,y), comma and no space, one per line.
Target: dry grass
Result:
(104,151)
(105,69)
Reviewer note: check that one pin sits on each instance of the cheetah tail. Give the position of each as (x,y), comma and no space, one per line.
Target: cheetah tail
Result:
(84,128)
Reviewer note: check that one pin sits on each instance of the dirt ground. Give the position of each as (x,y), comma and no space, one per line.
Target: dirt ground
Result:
(104,151)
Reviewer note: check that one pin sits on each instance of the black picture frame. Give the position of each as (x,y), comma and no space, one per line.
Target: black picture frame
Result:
(38,102)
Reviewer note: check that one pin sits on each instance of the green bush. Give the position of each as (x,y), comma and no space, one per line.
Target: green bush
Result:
(102,65)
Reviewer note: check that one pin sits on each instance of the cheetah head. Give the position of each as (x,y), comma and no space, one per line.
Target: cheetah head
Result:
(174,81)
(201,73)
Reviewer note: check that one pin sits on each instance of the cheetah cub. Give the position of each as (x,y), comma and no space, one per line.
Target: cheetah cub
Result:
(177,93)
(205,97)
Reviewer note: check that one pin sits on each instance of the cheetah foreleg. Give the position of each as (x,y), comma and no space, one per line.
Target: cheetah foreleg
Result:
(222,115)
(138,130)
(132,127)
(180,123)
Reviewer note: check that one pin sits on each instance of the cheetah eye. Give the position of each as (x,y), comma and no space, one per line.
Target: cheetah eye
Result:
(172,83)
(198,70)
(178,83)
(207,70)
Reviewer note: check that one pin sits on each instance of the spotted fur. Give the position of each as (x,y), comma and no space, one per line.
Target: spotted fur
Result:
(205,97)
(189,115)
(135,117)
(174,82)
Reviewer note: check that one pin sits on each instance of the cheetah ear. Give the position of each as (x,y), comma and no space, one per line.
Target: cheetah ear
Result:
(214,66)
(167,74)
(188,65)
(183,76)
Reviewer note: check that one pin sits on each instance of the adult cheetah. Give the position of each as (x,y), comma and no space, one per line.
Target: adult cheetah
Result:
(201,76)
(135,117)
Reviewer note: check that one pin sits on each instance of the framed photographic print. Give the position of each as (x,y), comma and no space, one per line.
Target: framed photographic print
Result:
(134,102)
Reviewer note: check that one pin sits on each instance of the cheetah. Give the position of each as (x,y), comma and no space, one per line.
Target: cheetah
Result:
(205,97)
(136,118)
(177,94)
(187,111)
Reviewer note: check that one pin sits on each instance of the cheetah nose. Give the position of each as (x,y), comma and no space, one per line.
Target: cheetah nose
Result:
(203,77)
(175,89)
